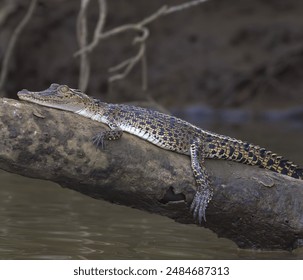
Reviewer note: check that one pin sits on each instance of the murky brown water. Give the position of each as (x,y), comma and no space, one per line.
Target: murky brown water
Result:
(41,220)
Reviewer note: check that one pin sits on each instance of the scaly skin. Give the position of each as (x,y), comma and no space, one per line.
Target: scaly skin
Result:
(167,132)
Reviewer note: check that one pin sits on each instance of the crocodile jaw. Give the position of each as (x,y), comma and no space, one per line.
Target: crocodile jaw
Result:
(54,98)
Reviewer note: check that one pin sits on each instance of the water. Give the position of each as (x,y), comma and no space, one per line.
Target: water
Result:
(41,220)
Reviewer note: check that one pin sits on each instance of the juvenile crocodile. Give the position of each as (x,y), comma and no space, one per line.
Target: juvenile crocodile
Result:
(167,132)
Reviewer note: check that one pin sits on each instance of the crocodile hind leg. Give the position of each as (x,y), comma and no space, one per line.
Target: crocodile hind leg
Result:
(204,192)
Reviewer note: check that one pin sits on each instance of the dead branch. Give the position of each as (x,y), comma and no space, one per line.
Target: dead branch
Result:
(124,68)
(253,207)
(82,38)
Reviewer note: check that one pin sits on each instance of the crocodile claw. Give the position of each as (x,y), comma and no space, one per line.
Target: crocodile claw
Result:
(98,140)
(199,205)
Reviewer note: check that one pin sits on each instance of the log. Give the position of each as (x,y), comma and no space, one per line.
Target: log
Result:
(253,207)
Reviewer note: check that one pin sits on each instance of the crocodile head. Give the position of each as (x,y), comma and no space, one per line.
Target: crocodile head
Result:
(57,96)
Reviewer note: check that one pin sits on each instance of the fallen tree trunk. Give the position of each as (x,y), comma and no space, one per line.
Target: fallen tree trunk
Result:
(253,207)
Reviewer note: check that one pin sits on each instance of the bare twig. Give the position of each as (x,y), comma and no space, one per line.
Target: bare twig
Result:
(101,21)
(82,38)
(128,64)
(12,42)
(183,6)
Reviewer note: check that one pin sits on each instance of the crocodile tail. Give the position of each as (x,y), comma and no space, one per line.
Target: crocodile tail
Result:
(278,164)
(235,150)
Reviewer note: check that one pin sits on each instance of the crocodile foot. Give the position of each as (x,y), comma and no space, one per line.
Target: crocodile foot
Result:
(199,205)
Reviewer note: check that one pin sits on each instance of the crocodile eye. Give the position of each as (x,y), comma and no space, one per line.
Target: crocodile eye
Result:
(64,89)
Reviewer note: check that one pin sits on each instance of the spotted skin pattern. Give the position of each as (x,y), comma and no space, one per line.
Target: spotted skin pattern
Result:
(167,132)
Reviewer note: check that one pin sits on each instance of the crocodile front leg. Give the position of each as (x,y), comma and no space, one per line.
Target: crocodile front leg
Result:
(204,192)
(114,134)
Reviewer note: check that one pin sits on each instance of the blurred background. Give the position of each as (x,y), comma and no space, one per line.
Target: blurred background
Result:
(236,53)
(234,67)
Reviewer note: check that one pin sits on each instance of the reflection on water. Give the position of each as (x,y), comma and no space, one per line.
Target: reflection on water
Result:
(41,220)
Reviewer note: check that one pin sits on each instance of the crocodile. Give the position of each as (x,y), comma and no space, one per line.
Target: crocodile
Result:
(167,132)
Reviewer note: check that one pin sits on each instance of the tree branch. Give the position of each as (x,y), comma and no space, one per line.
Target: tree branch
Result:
(82,38)
(253,207)
(128,64)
